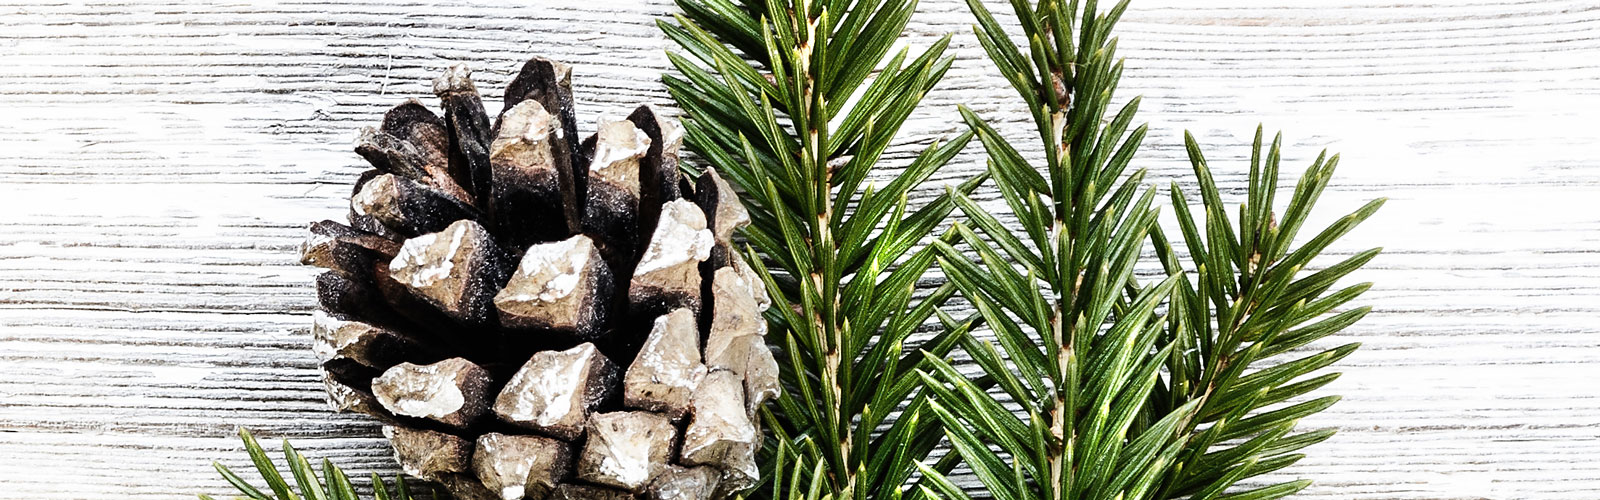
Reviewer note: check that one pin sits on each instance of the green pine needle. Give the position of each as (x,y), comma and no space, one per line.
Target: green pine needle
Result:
(1129,389)
(795,102)
(332,485)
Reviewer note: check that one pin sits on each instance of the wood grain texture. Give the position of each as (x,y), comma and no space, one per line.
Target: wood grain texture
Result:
(159,163)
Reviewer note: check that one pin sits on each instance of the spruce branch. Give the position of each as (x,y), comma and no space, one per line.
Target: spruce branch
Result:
(796,102)
(1128,389)
(1248,307)
(1080,340)
(333,485)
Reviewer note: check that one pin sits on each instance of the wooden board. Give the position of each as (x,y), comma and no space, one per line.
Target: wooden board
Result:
(159,163)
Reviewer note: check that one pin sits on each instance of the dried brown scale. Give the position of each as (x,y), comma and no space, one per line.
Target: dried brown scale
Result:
(391,154)
(612,204)
(429,454)
(520,466)
(626,449)
(370,345)
(749,358)
(428,135)
(349,392)
(466,486)
(668,274)
(564,286)
(581,492)
(414,315)
(353,295)
(724,214)
(686,483)
(366,222)
(332,246)
(534,316)
(469,131)
(458,270)
(407,206)
(533,197)
(334,232)
(668,368)
(452,392)
(658,177)
(721,431)
(550,83)
(555,392)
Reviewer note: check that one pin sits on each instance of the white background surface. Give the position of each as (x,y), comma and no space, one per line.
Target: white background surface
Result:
(159,163)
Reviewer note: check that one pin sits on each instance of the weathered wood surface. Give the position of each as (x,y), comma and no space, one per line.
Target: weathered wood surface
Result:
(160,161)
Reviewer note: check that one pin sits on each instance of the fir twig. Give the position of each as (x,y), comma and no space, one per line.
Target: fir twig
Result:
(1120,397)
(1242,318)
(799,130)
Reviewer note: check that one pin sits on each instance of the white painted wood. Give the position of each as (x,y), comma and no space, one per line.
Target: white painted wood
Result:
(159,161)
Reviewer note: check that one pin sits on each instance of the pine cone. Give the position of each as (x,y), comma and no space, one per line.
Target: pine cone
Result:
(526,313)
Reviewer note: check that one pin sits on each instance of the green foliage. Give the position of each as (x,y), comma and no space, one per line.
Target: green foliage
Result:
(1248,305)
(792,481)
(795,102)
(336,487)
(1120,388)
